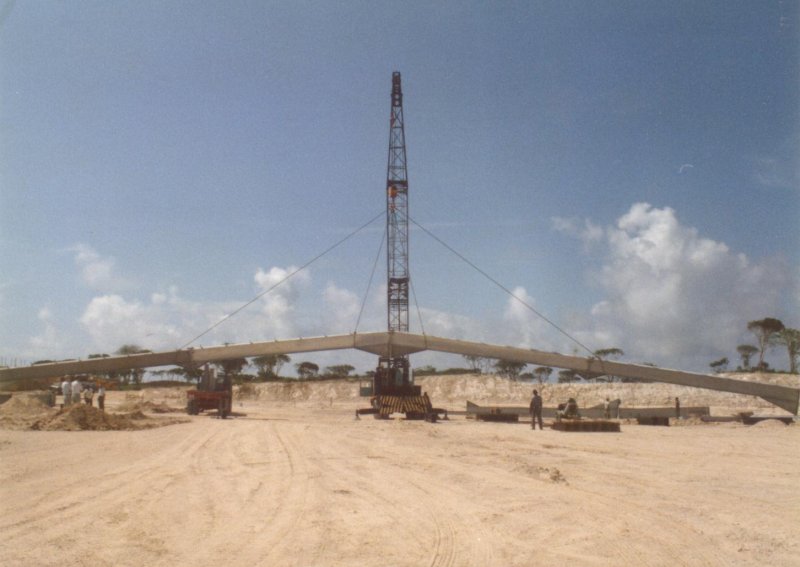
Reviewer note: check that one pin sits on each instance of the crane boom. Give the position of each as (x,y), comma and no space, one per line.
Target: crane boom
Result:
(397,215)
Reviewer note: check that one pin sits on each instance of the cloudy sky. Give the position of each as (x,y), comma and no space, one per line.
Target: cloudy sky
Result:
(629,170)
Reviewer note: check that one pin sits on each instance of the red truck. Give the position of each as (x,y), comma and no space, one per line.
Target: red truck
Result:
(213,393)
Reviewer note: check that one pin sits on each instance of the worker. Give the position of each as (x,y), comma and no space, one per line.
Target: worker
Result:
(101,398)
(88,396)
(677,408)
(76,391)
(607,409)
(571,409)
(536,410)
(66,390)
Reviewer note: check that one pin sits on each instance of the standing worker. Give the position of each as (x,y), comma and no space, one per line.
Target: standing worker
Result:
(76,391)
(66,390)
(101,398)
(536,410)
(88,396)
(677,408)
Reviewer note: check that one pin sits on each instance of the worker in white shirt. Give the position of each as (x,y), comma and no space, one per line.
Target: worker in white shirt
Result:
(76,391)
(66,389)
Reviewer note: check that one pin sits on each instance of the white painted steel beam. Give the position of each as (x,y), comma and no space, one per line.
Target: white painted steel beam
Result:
(396,344)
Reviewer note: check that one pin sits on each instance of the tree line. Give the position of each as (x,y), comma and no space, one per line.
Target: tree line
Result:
(769,333)
(267,368)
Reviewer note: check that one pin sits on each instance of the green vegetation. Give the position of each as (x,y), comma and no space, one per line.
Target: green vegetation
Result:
(769,333)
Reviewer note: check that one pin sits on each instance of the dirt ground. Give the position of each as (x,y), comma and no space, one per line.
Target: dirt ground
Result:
(294,479)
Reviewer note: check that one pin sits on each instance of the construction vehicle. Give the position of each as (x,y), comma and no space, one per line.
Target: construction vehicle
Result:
(214,392)
(393,391)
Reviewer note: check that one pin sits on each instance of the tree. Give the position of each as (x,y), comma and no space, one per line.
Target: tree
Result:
(306,370)
(612,353)
(542,373)
(339,370)
(719,365)
(509,368)
(232,367)
(567,376)
(766,331)
(269,366)
(134,375)
(790,338)
(477,364)
(130,349)
(746,352)
(180,371)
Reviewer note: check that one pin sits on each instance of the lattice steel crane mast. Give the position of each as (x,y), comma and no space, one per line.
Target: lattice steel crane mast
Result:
(393,375)
(397,215)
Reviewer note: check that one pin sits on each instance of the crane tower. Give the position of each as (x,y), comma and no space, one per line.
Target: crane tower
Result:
(393,389)
(397,215)
(393,376)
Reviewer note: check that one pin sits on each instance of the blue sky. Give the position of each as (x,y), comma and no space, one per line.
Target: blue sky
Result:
(630,169)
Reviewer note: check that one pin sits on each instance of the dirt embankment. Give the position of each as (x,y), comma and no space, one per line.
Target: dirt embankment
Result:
(27,410)
(454,391)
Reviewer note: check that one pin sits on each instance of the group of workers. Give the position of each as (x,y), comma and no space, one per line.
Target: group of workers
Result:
(73,392)
(569,410)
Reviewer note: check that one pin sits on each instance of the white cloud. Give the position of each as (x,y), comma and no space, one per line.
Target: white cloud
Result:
(48,340)
(588,232)
(283,289)
(450,325)
(341,310)
(674,297)
(522,326)
(167,321)
(772,171)
(113,321)
(97,271)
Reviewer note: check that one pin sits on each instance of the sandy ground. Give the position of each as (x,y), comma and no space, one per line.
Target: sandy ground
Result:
(293,479)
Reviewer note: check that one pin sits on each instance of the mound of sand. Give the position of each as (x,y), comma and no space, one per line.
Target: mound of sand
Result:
(147,406)
(24,404)
(28,411)
(23,409)
(81,417)
(769,424)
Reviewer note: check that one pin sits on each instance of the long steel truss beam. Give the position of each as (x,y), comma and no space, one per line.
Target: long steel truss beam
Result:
(392,344)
